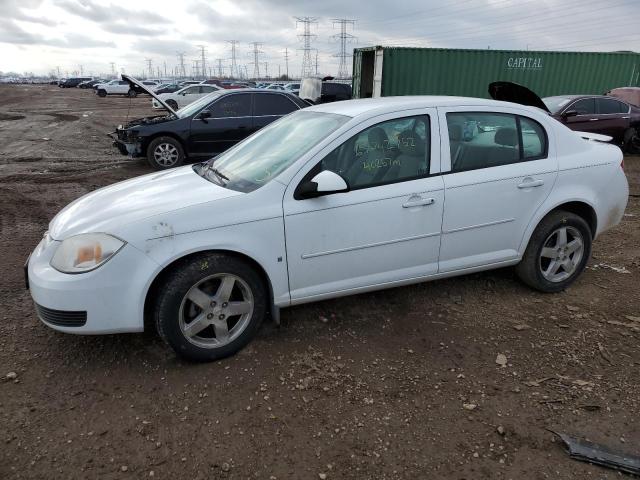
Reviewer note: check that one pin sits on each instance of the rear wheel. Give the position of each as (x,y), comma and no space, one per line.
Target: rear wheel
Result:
(210,307)
(165,152)
(632,141)
(557,253)
(102,93)
(132,93)
(173,104)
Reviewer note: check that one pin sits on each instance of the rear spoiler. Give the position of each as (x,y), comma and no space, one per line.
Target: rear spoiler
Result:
(595,137)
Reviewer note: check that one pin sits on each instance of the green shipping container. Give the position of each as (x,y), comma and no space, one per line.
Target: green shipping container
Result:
(389,71)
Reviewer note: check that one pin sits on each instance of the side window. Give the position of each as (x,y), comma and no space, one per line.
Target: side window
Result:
(267,104)
(238,105)
(389,152)
(192,90)
(534,139)
(608,106)
(482,140)
(586,106)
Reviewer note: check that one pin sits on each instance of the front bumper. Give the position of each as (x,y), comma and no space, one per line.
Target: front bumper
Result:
(111,296)
(130,148)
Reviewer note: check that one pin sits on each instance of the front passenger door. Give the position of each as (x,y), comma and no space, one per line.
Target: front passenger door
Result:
(386,229)
(229,122)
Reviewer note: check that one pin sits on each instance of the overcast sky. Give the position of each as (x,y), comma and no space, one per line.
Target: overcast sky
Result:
(40,35)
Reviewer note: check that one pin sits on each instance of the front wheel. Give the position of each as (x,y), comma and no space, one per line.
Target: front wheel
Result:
(102,93)
(132,93)
(164,153)
(557,253)
(632,141)
(210,306)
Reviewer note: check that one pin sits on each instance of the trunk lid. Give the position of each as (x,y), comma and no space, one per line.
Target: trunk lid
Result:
(514,93)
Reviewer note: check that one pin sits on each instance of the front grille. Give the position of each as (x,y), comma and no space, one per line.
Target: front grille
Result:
(61,318)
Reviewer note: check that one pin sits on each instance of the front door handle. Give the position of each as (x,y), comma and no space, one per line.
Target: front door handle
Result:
(419,202)
(530,182)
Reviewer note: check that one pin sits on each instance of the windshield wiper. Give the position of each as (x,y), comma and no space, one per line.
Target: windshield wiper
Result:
(217,173)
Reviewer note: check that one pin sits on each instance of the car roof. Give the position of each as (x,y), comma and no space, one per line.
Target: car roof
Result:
(353,108)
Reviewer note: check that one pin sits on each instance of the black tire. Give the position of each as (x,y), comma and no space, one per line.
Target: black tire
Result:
(180,281)
(102,93)
(631,142)
(530,267)
(132,93)
(173,104)
(154,155)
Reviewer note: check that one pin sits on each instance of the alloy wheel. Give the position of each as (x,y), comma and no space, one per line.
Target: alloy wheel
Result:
(216,310)
(166,155)
(561,254)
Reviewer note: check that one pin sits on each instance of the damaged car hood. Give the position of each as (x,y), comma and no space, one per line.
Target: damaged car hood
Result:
(109,209)
(138,87)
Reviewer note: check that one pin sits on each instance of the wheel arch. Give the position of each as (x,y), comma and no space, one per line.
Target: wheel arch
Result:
(154,286)
(153,136)
(580,207)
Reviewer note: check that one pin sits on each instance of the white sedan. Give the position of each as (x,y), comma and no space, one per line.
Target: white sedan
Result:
(184,96)
(332,200)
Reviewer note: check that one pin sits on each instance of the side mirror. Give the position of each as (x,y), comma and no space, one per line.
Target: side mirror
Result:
(204,115)
(570,113)
(324,183)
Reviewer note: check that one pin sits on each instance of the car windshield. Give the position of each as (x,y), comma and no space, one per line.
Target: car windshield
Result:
(555,104)
(263,156)
(198,105)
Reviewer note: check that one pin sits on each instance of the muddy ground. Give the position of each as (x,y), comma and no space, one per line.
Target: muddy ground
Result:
(401,383)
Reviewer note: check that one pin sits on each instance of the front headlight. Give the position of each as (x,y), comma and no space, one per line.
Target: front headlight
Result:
(85,252)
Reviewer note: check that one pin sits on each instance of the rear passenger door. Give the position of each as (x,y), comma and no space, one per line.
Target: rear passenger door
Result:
(501,167)
(268,107)
(613,117)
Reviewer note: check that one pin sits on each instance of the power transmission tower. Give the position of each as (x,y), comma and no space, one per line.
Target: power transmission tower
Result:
(195,71)
(344,38)
(286,61)
(113,69)
(203,63)
(220,67)
(234,57)
(81,70)
(256,52)
(306,37)
(165,68)
(266,69)
(316,62)
(182,71)
(149,66)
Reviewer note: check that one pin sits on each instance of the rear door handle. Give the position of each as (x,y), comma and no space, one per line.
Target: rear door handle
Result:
(419,203)
(531,183)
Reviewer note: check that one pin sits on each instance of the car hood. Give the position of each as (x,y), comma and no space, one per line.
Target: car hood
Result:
(138,87)
(514,93)
(109,209)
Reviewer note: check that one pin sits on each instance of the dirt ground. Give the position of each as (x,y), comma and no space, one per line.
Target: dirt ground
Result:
(401,383)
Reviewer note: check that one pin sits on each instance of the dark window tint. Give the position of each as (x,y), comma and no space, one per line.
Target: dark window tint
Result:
(238,105)
(122,82)
(267,104)
(607,106)
(333,89)
(207,89)
(389,152)
(586,106)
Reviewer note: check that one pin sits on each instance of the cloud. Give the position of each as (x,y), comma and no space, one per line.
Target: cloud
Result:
(102,12)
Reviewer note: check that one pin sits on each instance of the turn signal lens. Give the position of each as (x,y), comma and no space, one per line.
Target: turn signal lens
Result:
(82,253)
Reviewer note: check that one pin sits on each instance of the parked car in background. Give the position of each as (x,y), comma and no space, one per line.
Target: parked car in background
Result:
(292,88)
(205,128)
(317,90)
(333,200)
(73,82)
(90,83)
(168,88)
(597,114)
(275,86)
(186,83)
(212,81)
(115,87)
(183,97)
